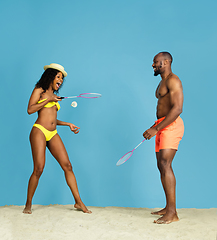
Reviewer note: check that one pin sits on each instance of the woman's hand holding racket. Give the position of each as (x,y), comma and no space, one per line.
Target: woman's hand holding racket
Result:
(74,128)
(54,98)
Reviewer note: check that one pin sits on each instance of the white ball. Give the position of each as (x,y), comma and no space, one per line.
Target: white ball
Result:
(74,104)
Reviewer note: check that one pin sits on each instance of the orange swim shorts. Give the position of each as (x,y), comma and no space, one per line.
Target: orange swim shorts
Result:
(170,136)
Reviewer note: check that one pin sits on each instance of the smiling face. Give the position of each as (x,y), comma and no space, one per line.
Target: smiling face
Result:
(158,63)
(57,82)
(162,62)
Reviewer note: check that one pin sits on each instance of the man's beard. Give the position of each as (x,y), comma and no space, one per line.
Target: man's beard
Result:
(157,72)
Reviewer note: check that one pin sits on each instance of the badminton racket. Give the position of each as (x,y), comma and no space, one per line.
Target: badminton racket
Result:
(85,95)
(128,155)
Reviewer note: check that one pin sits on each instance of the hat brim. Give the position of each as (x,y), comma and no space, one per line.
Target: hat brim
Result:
(56,67)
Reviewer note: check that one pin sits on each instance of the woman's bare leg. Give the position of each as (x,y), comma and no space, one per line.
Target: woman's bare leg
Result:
(38,145)
(57,149)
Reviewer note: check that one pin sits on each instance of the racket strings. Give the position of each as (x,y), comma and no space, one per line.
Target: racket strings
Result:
(85,95)
(128,155)
(124,158)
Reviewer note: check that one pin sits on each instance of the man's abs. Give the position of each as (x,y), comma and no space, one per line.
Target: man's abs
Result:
(163,106)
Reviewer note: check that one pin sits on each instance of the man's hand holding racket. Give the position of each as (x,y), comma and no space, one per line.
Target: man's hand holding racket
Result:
(149,133)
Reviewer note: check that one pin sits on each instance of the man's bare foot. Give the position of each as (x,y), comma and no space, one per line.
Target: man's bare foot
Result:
(27,210)
(82,207)
(167,218)
(161,212)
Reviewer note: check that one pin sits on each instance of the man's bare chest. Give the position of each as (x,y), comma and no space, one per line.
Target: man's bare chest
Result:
(162,90)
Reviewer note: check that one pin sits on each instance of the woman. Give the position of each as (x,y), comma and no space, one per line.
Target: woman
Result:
(44,133)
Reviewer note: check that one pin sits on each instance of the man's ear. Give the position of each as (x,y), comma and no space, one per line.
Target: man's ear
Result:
(166,62)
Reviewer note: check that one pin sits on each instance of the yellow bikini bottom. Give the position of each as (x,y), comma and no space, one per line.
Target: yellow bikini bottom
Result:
(48,134)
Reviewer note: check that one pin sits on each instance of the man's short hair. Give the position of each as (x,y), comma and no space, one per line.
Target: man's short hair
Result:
(167,55)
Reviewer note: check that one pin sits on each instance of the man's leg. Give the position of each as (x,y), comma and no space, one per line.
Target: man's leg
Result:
(164,162)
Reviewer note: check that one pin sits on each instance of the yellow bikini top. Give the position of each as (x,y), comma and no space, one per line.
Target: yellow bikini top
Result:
(50,104)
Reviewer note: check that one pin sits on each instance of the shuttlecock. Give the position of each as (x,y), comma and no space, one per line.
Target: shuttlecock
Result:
(74,104)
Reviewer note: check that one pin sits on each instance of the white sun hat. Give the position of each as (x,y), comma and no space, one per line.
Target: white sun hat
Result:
(57,67)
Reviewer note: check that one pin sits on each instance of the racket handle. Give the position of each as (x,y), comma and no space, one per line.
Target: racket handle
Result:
(62,97)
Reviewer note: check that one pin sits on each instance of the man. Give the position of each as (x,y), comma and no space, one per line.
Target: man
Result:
(169,129)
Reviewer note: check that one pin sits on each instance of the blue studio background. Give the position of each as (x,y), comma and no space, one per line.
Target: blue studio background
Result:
(108,47)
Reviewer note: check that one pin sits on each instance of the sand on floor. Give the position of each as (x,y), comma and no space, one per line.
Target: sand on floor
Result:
(63,222)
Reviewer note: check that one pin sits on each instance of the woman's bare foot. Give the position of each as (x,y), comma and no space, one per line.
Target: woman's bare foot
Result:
(167,218)
(82,207)
(27,210)
(161,212)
